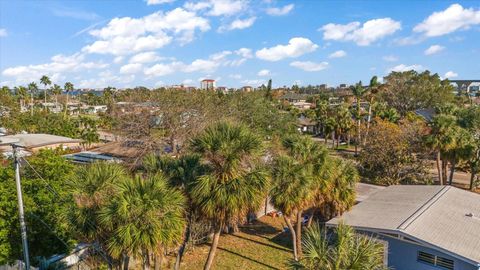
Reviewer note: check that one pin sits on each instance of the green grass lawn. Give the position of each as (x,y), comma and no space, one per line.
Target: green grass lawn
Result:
(261,245)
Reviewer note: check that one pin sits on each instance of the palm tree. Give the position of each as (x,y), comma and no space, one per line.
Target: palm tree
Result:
(343,250)
(373,89)
(45,80)
(234,184)
(338,195)
(358,91)
(92,188)
(56,90)
(442,139)
(145,217)
(298,178)
(32,88)
(464,142)
(21,92)
(68,88)
(181,173)
(291,193)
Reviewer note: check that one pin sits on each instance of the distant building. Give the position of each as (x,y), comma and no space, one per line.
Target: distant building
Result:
(207,84)
(247,88)
(422,227)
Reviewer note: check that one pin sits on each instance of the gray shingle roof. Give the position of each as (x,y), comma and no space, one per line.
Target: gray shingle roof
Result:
(436,215)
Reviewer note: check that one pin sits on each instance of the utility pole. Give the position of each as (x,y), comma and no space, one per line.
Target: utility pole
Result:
(23,227)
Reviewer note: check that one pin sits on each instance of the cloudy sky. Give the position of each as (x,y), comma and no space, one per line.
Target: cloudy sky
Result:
(237,42)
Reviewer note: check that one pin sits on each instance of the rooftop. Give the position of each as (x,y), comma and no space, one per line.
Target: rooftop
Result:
(443,217)
(38,139)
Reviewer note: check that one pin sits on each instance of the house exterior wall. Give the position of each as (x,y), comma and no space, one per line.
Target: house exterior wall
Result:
(402,255)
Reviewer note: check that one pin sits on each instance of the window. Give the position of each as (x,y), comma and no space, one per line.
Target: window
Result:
(435,260)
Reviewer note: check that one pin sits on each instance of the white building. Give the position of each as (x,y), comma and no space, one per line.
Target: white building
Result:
(207,84)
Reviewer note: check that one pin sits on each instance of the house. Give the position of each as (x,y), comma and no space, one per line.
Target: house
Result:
(35,142)
(294,97)
(207,84)
(422,227)
(247,88)
(303,105)
(306,125)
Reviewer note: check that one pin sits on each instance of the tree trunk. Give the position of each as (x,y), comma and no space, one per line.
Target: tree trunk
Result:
(294,237)
(299,234)
(368,121)
(310,219)
(126,261)
(444,170)
(473,171)
(181,250)
(31,105)
(452,171)
(439,169)
(157,261)
(213,248)
(358,126)
(66,106)
(333,140)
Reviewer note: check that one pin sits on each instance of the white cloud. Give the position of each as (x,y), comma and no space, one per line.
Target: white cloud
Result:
(227,7)
(434,49)
(238,24)
(3,32)
(130,35)
(390,58)
(131,68)
(264,72)
(105,79)
(59,65)
(244,52)
(275,11)
(403,68)
(309,66)
(145,57)
(362,35)
(338,54)
(162,69)
(118,59)
(218,7)
(450,74)
(254,82)
(296,46)
(158,2)
(454,18)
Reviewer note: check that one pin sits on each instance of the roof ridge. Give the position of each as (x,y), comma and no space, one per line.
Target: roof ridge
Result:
(404,225)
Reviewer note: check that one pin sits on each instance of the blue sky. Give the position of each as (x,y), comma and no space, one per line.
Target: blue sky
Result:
(150,43)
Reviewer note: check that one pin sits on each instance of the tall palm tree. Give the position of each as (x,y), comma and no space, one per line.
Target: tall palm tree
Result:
(343,250)
(234,184)
(45,80)
(68,87)
(92,188)
(442,139)
(21,92)
(56,90)
(145,217)
(338,194)
(373,90)
(32,88)
(302,171)
(291,193)
(181,173)
(358,91)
